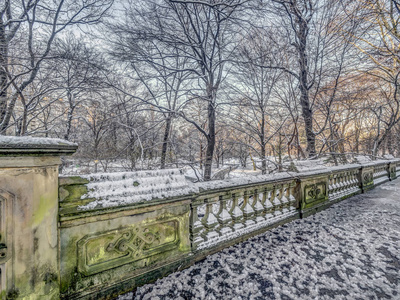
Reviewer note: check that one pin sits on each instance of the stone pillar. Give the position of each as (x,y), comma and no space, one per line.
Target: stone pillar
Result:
(366,178)
(29,215)
(313,194)
(392,170)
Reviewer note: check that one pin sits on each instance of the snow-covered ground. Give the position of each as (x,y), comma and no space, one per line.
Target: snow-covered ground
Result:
(349,251)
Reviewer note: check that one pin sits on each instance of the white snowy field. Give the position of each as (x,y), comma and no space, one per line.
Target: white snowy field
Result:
(349,251)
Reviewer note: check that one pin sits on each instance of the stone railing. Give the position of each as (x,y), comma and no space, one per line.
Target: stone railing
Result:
(223,215)
(137,242)
(107,235)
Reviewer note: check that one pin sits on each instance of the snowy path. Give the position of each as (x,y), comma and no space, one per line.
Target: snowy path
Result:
(349,251)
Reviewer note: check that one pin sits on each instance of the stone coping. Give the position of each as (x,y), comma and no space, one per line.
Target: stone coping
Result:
(33,146)
(207,188)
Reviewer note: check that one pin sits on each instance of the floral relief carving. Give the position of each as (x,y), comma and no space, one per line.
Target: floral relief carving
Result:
(314,191)
(368,178)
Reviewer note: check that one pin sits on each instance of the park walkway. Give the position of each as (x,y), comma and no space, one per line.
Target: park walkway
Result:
(349,251)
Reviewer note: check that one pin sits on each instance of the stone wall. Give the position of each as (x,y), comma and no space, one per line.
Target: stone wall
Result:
(106,251)
(28,217)
(60,239)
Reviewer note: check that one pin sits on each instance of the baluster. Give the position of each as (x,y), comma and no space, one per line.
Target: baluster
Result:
(338,185)
(195,227)
(236,213)
(275,201)
(223,217)
(330,186)
(209,221)
(335,185)
(248,212)
(284,200)
(292,199)
(351,184)
(356,180)
(257,206)
(346,182)
(352,181)
(268,206)
(342,185)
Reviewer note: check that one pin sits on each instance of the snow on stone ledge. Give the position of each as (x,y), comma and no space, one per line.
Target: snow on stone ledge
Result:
(362,159)
(27,141)
(123,188)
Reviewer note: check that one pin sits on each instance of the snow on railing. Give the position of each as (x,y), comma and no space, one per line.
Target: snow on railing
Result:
(148,222)
(342,184)
(221,211)
(224,216)
(123,188)
(398,169)
(219,217)
(381,174)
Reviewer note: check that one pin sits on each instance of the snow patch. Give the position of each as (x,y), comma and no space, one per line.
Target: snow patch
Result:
(18,141)
(123,188)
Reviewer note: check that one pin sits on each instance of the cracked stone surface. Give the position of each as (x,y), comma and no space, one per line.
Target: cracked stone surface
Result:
(349,251)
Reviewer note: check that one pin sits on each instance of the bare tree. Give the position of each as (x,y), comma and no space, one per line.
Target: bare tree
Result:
(77,74)
(255,91)
(200,32)
(315,32)
(163,90)
(380,44)
(27,32)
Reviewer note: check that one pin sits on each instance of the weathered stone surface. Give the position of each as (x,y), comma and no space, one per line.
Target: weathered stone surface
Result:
(313,193)
(72,180)
(32,268)
(72,192)
(97,253)
(51,249)
(392,171)
(366,178)
(30,146)
(350,251)
(28,217)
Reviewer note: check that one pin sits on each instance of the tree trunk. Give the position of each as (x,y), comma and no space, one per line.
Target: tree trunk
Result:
(210,140)
(201,156)
(262,143)
(165,141)
(3,73)
(304,95)
(69,116)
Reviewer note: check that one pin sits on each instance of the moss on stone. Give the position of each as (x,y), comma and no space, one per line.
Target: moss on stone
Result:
(72,180)
(45,207)
(75,192)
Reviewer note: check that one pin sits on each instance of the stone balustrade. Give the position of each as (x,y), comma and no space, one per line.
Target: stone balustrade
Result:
(343,184)
(143,240)
(221,216)
(94,246)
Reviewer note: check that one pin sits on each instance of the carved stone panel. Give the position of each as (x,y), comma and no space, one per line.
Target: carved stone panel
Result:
(314,193)
(368,179)
(106,250)
(392,171)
